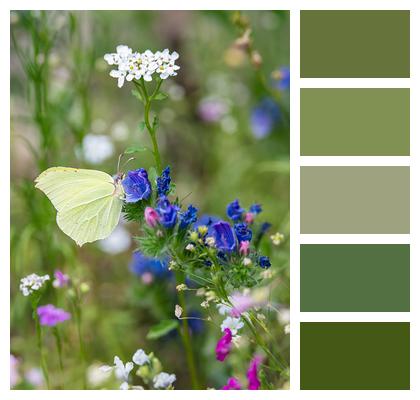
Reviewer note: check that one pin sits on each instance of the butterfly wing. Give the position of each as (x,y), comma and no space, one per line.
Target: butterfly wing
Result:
(87,202)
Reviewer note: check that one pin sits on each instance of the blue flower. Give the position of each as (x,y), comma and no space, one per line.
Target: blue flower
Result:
(264,118)
(243,233)
(234,210)
(167,212)
(163,182)
(223,235)
(140,265)
(282,78)
(264,262)
(206,220)
(196,325)
(255,208)
(188,217)
(136,186)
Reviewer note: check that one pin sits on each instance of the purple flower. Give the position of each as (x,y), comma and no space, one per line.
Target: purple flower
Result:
(167,212)
(224,345)
(50,315)
(282,78)
(61,279)
(188,217)
(264,117)
(212,110)
(14,371)
(234,211)
(232,384)
(255,208)
(241,303)
(264,262)
(243,233)
(223,235)
(163,182)
(252,374)
(136,186)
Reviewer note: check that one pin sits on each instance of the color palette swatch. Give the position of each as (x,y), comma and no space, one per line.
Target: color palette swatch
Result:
(355,43)
(355,277)
(355,199)
(355,355)
(355,122)
(364,274)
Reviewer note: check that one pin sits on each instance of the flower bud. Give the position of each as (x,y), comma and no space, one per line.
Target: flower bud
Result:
(151,216)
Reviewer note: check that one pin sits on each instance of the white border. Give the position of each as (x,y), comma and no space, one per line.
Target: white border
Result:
(294,6)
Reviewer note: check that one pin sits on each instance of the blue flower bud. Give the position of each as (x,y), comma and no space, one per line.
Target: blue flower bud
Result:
(136,186)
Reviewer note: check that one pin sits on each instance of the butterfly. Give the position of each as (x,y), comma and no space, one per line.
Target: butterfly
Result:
(88,202)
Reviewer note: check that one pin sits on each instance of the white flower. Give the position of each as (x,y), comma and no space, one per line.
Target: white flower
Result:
(31,283)
(163,380)
(287,329)
(140,357)
(178,311)
(122,372)
(210,241)
(181,287)
(234,324)
(246,261)
(190,247)
(97,148)
(117,242)
(205,304)
(277,238)
(141,65)
(223,309)
(96,375)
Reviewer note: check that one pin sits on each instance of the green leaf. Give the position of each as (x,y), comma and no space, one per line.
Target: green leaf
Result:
(135,149)
(152,174)
(155,122)
(142,125)
(162,329)
(137,95)
(160,96)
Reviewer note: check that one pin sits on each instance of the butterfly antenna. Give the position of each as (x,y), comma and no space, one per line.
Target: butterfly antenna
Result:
(130,159)
(119,161)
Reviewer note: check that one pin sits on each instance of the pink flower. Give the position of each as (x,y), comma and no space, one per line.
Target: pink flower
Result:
(249,217)
(232,384)
(61,279)
(241,303)
(14,372)
(252,374)
(224,345)
(244,247)
(151,216)
(51,316)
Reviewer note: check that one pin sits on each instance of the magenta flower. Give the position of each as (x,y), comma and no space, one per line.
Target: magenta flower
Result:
(50,315)
(224,345)
(232,384)
(244,248)
(61,279)
(252,374)
(151,216)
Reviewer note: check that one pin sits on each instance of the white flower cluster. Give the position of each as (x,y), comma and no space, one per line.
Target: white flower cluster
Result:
(135,65)
(122,371)
(32,282)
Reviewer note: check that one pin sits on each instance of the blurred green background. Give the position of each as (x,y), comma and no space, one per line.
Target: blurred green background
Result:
(67,111)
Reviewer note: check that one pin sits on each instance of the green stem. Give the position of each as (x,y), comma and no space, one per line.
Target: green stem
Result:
(151,128)
(40,347)
(78,317)
(59,350)
(185,334)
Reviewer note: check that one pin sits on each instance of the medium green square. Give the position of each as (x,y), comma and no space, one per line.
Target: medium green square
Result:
(355,122)
(355,356)
(355,43)
(355,278)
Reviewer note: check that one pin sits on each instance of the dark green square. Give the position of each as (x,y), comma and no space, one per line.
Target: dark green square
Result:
(355,44)
(355,356)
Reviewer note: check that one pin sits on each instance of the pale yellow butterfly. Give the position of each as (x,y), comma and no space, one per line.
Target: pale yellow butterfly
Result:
(88,202)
